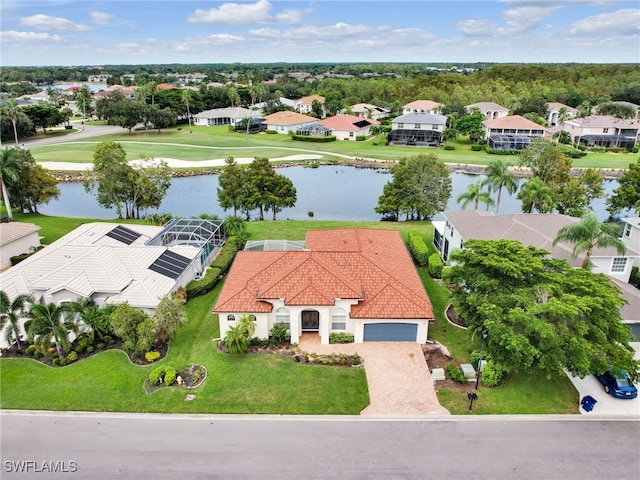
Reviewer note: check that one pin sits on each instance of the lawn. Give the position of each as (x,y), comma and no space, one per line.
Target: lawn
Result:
(218,142)
(255,383)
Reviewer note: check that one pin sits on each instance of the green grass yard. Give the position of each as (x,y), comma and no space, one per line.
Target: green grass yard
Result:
(254,383)
(218,142)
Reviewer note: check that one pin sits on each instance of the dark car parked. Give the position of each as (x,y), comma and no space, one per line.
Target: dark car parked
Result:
(619,385)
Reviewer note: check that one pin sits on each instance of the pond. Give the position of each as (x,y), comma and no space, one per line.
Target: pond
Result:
(329,192)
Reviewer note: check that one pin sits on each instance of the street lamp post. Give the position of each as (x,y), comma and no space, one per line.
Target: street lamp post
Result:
(485,334)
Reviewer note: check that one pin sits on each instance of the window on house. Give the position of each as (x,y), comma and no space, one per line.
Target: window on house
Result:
(435,127)
(417,126)
(401,125)
(618,265)
(627,229)
(231,318)
(338,319)
(282,316)
(605,130)
(252,318)
(351,134)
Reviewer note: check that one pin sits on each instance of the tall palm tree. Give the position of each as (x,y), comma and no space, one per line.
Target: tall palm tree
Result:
(12,110)
(499,177)
(12,312)
(475,195)
(186,98)
(535,195)
(47,323)
(590,233)
(10,166)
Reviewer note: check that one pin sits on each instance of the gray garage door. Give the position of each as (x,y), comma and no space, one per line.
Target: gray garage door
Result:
(390,332)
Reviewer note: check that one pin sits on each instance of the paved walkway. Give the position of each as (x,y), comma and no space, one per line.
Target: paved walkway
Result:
(398,377)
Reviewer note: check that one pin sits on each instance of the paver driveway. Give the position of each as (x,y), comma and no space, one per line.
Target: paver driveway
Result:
(397,375)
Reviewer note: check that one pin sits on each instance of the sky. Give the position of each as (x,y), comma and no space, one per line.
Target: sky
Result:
(61,32)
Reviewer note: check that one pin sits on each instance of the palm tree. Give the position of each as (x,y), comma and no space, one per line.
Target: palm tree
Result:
(186,98)
(10,166)
(47,322)
(476,195)
(590,233)
(499,177)
(93,318)
(12,109)
(12,312)
(234,96)
(535,195)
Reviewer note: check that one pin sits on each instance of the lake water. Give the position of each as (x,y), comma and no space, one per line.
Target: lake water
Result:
(330,192)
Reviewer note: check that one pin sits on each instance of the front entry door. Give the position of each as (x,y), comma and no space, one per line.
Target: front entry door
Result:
(310,320)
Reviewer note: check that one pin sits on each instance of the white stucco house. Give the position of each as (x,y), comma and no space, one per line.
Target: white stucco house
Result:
(513,132)
(349,127)
(17,238)
(287,121)
(536,229)
(223,116)
(631,235)
(360,281)
(554,109)
(367,110)
(421,129)
(603,131)
(422,106)
(490,110)
(305,104)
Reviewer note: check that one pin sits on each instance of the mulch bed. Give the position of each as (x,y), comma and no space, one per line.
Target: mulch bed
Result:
(437,359)
(452,316)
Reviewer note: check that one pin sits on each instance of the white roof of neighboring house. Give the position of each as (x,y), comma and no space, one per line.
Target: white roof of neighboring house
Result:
(235,112)
(536,229)
(602,121)
(10,232)
(631,311)
(366,107)
(482,106)
(89,260)
(431,118)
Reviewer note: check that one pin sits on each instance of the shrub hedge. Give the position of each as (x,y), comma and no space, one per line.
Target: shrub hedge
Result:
(418,248)
(435,265)
(306,138)
(341,337)
(218,267)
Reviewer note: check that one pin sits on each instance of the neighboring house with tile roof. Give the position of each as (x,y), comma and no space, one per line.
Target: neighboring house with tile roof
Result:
(536,229)
(603,131)
(422,106)
(113,263)
(553,112)
(513,132)
(17,238)
(360,281)
(349,127)
(490,110)
(222,116)
(287,121)
(367,110)
(305,104)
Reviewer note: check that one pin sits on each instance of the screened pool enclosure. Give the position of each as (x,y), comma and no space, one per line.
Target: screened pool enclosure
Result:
(509,142)
(404,136)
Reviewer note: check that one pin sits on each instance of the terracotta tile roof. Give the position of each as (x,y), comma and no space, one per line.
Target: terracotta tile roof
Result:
(556,106)
(512,121)
(309,99)
(165,86)
(348,123)
(423,104)
(482,106)
(370,266)
(288,118)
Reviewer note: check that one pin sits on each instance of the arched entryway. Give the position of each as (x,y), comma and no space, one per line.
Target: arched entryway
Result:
(310,320)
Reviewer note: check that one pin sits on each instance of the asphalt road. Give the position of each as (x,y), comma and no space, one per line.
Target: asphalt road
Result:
(105,446)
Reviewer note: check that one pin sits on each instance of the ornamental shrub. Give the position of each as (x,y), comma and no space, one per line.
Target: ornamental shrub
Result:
(151,356)
(72,357)
(455,373)
(280,333)
(169,375)
(476,148)
(341,337)
(196,288)
(306,138)
(492,373)
(435,265)
(418,248)
(449,147)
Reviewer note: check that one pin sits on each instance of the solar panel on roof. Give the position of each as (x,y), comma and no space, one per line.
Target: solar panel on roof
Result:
(170,264)
(124,235)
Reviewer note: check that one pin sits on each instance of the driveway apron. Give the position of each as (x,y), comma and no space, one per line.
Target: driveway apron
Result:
(398,377)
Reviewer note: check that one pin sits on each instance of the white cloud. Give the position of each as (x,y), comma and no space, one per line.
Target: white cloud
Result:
(101,18)
(477,28)
(622,22)
(234,13)
(14,36)
(338,30)
(47,23)
(525,18)
(246,14)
